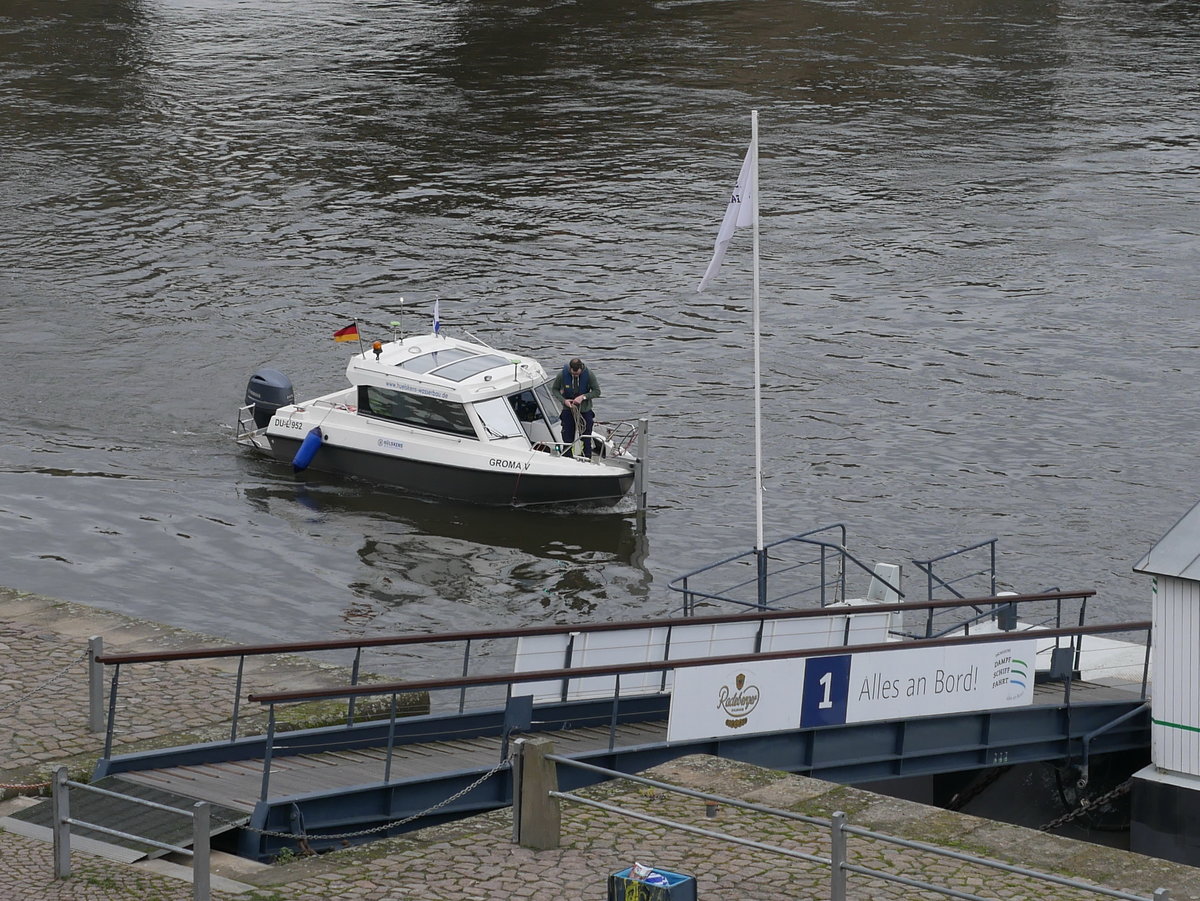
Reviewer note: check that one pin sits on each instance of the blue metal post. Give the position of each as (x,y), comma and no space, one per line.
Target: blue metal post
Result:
(353,681)
(612,726)
(268,748)
(112,712)
(237,699)
(387,767)
(761,554)
(462,692)
(95,684)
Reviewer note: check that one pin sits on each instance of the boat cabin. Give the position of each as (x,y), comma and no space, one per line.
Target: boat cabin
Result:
(434,383)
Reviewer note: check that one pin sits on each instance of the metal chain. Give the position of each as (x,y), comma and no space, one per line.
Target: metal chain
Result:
(488,775)
(57,675)
(1085,805)
(963,798)
(27,786)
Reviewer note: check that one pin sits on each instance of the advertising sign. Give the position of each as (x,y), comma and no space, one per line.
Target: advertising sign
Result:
(885,685)
(773,695)
(735,699)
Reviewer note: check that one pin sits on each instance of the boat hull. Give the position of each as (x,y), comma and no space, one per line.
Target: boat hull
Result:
(490,487)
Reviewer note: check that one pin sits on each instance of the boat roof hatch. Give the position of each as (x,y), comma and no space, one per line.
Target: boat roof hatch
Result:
(456,366)
(463,369)
(427,362)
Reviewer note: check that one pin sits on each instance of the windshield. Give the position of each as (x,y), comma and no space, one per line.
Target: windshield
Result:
(551,405)
(498,418)
(530,408)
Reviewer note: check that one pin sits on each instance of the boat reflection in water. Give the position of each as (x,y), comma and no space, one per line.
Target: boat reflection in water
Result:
(440,564)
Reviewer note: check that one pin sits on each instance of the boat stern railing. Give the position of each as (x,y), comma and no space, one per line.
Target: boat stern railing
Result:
(247,432)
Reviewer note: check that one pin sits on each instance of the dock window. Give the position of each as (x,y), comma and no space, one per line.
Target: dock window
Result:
(415,410)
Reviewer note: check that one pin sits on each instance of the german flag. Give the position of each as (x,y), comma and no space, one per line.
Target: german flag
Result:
(349,333)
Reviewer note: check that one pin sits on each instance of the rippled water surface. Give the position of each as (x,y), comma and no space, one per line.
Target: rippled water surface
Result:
(980,285)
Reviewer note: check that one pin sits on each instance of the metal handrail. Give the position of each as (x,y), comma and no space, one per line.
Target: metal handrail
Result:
(200,815)
(1086,744)
(583,672)
(508,680)
(565,673)
(696,572)
(247,428)
(468,637)
(621,435)
(252,650)
(926,566)
(839,828)
(682,583)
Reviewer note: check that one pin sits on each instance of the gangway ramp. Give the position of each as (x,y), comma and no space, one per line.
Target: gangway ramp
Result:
(236,784)
(363,779)
(117,810)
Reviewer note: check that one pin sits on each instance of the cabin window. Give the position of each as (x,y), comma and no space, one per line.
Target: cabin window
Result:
(498,418)
(530,409)
(526,407)
(415,410)
(551,403)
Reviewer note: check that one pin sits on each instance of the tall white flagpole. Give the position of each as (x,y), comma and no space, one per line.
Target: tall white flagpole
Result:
(758,493)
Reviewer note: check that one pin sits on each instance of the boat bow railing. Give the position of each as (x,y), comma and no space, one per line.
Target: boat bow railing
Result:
(621,437)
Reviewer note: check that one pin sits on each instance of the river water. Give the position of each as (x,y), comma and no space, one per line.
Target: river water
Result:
(980,267)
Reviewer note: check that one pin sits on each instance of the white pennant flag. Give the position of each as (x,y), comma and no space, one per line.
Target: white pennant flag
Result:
(437,316)
(739,213)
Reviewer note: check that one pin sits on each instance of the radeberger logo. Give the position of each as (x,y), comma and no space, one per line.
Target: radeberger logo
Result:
(739,702)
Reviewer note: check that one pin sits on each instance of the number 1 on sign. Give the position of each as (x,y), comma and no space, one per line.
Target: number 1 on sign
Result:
(826,684)
(824,701)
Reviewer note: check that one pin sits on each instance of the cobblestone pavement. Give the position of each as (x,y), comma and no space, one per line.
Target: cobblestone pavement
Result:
(44,688)
(43,702)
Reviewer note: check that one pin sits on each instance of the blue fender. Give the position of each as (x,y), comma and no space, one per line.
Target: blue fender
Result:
(308,449)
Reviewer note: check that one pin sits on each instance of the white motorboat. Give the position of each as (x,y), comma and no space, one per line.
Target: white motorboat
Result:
(439,416)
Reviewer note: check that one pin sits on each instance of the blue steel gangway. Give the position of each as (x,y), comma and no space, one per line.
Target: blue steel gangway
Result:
(380,772)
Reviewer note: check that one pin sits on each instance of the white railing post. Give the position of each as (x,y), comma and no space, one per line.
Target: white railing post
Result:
(837,857)
(61,811)
(639,473)
(201,890)
(95,684)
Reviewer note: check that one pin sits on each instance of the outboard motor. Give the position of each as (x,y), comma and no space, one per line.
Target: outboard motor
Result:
(268,390)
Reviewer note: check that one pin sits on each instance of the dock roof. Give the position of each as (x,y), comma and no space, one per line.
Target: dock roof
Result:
(1177,553)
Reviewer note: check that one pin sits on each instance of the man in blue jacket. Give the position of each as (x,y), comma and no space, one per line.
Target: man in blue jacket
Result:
(577,386)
